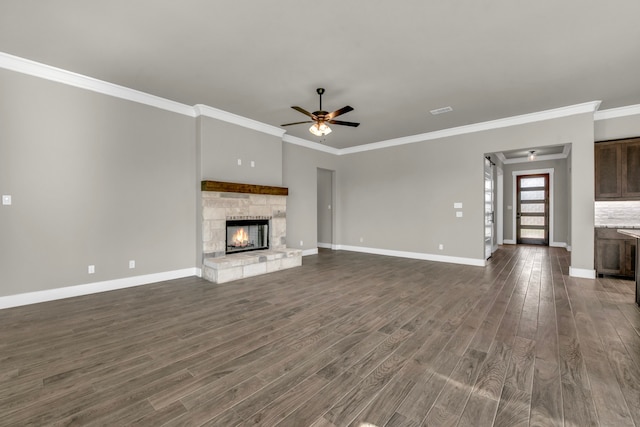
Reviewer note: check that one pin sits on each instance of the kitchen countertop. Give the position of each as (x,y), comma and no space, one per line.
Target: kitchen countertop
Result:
(632,233)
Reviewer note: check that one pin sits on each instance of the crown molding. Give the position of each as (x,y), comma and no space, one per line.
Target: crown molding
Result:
(612,113)
(215,113)
(571,110)
(47,72)
(310,144)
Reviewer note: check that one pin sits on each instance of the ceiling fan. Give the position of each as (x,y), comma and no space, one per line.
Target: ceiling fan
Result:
(320,118)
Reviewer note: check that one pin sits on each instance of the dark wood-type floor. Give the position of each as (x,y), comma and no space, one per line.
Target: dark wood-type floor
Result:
(347,339)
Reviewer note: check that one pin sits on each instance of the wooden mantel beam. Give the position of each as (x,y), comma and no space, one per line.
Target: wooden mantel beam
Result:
(232,187)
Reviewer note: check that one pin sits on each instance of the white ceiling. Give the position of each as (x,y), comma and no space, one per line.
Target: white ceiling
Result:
(392,62)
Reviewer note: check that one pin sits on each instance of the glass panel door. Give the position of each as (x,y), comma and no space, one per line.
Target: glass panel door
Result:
(532,218)
(488,209)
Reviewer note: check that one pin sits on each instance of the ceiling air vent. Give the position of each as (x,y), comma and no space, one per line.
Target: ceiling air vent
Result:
(441,110)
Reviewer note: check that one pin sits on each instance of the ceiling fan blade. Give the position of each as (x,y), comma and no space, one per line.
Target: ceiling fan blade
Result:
(340,122)
(305,112)
(338,112)
(298,123)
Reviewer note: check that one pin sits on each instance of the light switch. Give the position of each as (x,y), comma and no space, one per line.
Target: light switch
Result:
(239,162)
(253,164)
(457,205)
(458,214)
(6,200)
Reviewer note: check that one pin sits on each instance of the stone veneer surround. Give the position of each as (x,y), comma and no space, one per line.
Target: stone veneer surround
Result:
(220,206)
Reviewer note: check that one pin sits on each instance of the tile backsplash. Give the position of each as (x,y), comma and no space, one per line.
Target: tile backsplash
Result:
(617,213)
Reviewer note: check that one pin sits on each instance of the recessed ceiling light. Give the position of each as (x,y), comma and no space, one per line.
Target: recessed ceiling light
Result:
(441,110)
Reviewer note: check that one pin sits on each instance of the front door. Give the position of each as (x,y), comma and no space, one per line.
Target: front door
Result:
(532,217)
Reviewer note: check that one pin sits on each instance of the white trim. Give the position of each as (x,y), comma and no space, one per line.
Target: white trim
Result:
(59,75)
(582,272)
(310,144)
(569,248)
(558,156)
(612,113)
(92,288)
(37,69)
(571,110)
(325,245)
(508,242)
(414,255)
(500,206)
(215,113)
(308,252)
(514,200)
(558,244)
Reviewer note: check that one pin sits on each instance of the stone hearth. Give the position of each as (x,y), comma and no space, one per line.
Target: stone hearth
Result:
(228,201)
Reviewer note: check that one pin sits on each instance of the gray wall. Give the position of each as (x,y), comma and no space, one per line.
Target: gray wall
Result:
(94,180)
(388,194)
(99,180)
(300,165)
(618,128)
(325,206)
(223,143)
(560,196)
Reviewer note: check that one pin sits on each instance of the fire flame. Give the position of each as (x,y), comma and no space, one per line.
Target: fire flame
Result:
(240,238)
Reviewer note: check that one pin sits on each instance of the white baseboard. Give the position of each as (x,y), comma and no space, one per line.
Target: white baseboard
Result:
(325,245)
(414,255)
(558,244)
(308,252)
(509,242)
(93,288)
(582,273)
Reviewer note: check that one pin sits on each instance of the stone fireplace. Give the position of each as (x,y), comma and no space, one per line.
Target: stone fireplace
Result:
(244,231)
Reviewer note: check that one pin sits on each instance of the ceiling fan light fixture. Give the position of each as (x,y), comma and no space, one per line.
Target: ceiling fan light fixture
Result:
(320,129)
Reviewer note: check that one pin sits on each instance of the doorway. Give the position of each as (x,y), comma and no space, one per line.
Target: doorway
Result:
(325,208)
(532,209)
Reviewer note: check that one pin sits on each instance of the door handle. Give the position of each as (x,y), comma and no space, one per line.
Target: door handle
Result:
(518,215)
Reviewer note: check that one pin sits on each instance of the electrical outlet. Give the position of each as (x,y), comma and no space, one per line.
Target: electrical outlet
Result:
(239,162)
(361,239)
(132,263)
(301,243)
(253,164)
(441,246)
(91,269)
(458,214)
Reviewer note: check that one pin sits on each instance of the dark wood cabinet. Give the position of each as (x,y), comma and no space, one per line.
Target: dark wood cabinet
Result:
(617,170)
(615,254)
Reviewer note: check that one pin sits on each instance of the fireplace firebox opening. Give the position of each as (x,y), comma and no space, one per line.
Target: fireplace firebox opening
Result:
(247,235)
